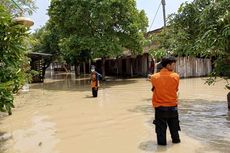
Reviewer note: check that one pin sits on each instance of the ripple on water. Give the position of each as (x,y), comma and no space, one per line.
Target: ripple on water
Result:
(207,121)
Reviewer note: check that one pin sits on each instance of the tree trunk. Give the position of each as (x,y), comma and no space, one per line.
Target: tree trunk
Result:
(131,67)
(84,72)
(89,70)
(155,65)
(103,68)
(76,69)
(117,66)
(228,98)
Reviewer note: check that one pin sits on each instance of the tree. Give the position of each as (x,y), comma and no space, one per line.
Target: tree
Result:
(201,28)
(101,28)
(13,45)
(45,40)
(13,61)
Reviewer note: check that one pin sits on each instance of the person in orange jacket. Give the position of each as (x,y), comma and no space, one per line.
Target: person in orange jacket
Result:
(164,87)
(94,81)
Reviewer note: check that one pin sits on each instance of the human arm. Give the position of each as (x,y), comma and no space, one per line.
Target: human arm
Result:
(152,82)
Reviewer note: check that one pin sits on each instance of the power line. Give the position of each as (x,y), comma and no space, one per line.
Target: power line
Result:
(163,5)
(155,16)
(17,5)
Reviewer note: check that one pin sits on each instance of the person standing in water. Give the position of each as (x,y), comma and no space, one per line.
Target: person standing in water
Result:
(164,87)
(94,81)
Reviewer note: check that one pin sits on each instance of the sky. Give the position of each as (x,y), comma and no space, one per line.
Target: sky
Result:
(150,7)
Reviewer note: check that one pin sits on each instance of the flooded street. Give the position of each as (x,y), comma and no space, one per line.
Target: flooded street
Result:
(60,116)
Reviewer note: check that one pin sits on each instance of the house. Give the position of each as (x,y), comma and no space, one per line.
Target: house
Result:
(129,65)
(39,62)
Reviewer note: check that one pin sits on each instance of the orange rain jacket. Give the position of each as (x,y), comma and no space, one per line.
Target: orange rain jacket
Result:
(94,81)
(165,85)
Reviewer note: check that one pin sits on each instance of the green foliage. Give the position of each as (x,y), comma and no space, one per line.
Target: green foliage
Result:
(158,53)
(13,62)
(45,40)
(162,43)
(201,28)
(97,28)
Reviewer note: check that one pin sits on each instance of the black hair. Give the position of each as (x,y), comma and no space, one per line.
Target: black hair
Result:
(168,60)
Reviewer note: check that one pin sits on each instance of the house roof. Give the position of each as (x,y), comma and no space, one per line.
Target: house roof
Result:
(149,33)
(147,47)
(37,55)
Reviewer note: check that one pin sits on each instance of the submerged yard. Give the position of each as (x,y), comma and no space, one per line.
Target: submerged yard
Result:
(60,116)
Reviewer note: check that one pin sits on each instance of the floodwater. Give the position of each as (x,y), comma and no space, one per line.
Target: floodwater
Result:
(60,116)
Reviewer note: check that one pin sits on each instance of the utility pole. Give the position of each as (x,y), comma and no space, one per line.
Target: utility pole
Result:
(164,16)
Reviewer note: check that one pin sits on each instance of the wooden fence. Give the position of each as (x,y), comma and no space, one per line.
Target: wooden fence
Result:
(193,67)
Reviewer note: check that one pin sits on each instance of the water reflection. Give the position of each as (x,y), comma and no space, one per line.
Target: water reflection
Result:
(149,146)
(228,116)
(207,121)
(70,82)
(4,137)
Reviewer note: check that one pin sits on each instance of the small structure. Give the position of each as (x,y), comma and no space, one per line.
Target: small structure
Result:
(24,21)
(39,62)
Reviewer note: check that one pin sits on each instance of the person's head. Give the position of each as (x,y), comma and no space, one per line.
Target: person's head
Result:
(93,75)
(92,68)
(169,62)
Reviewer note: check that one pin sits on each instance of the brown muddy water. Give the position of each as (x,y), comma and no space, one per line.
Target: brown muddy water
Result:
(60,116)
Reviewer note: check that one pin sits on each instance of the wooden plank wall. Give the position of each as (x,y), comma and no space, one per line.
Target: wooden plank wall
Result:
(193,67)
